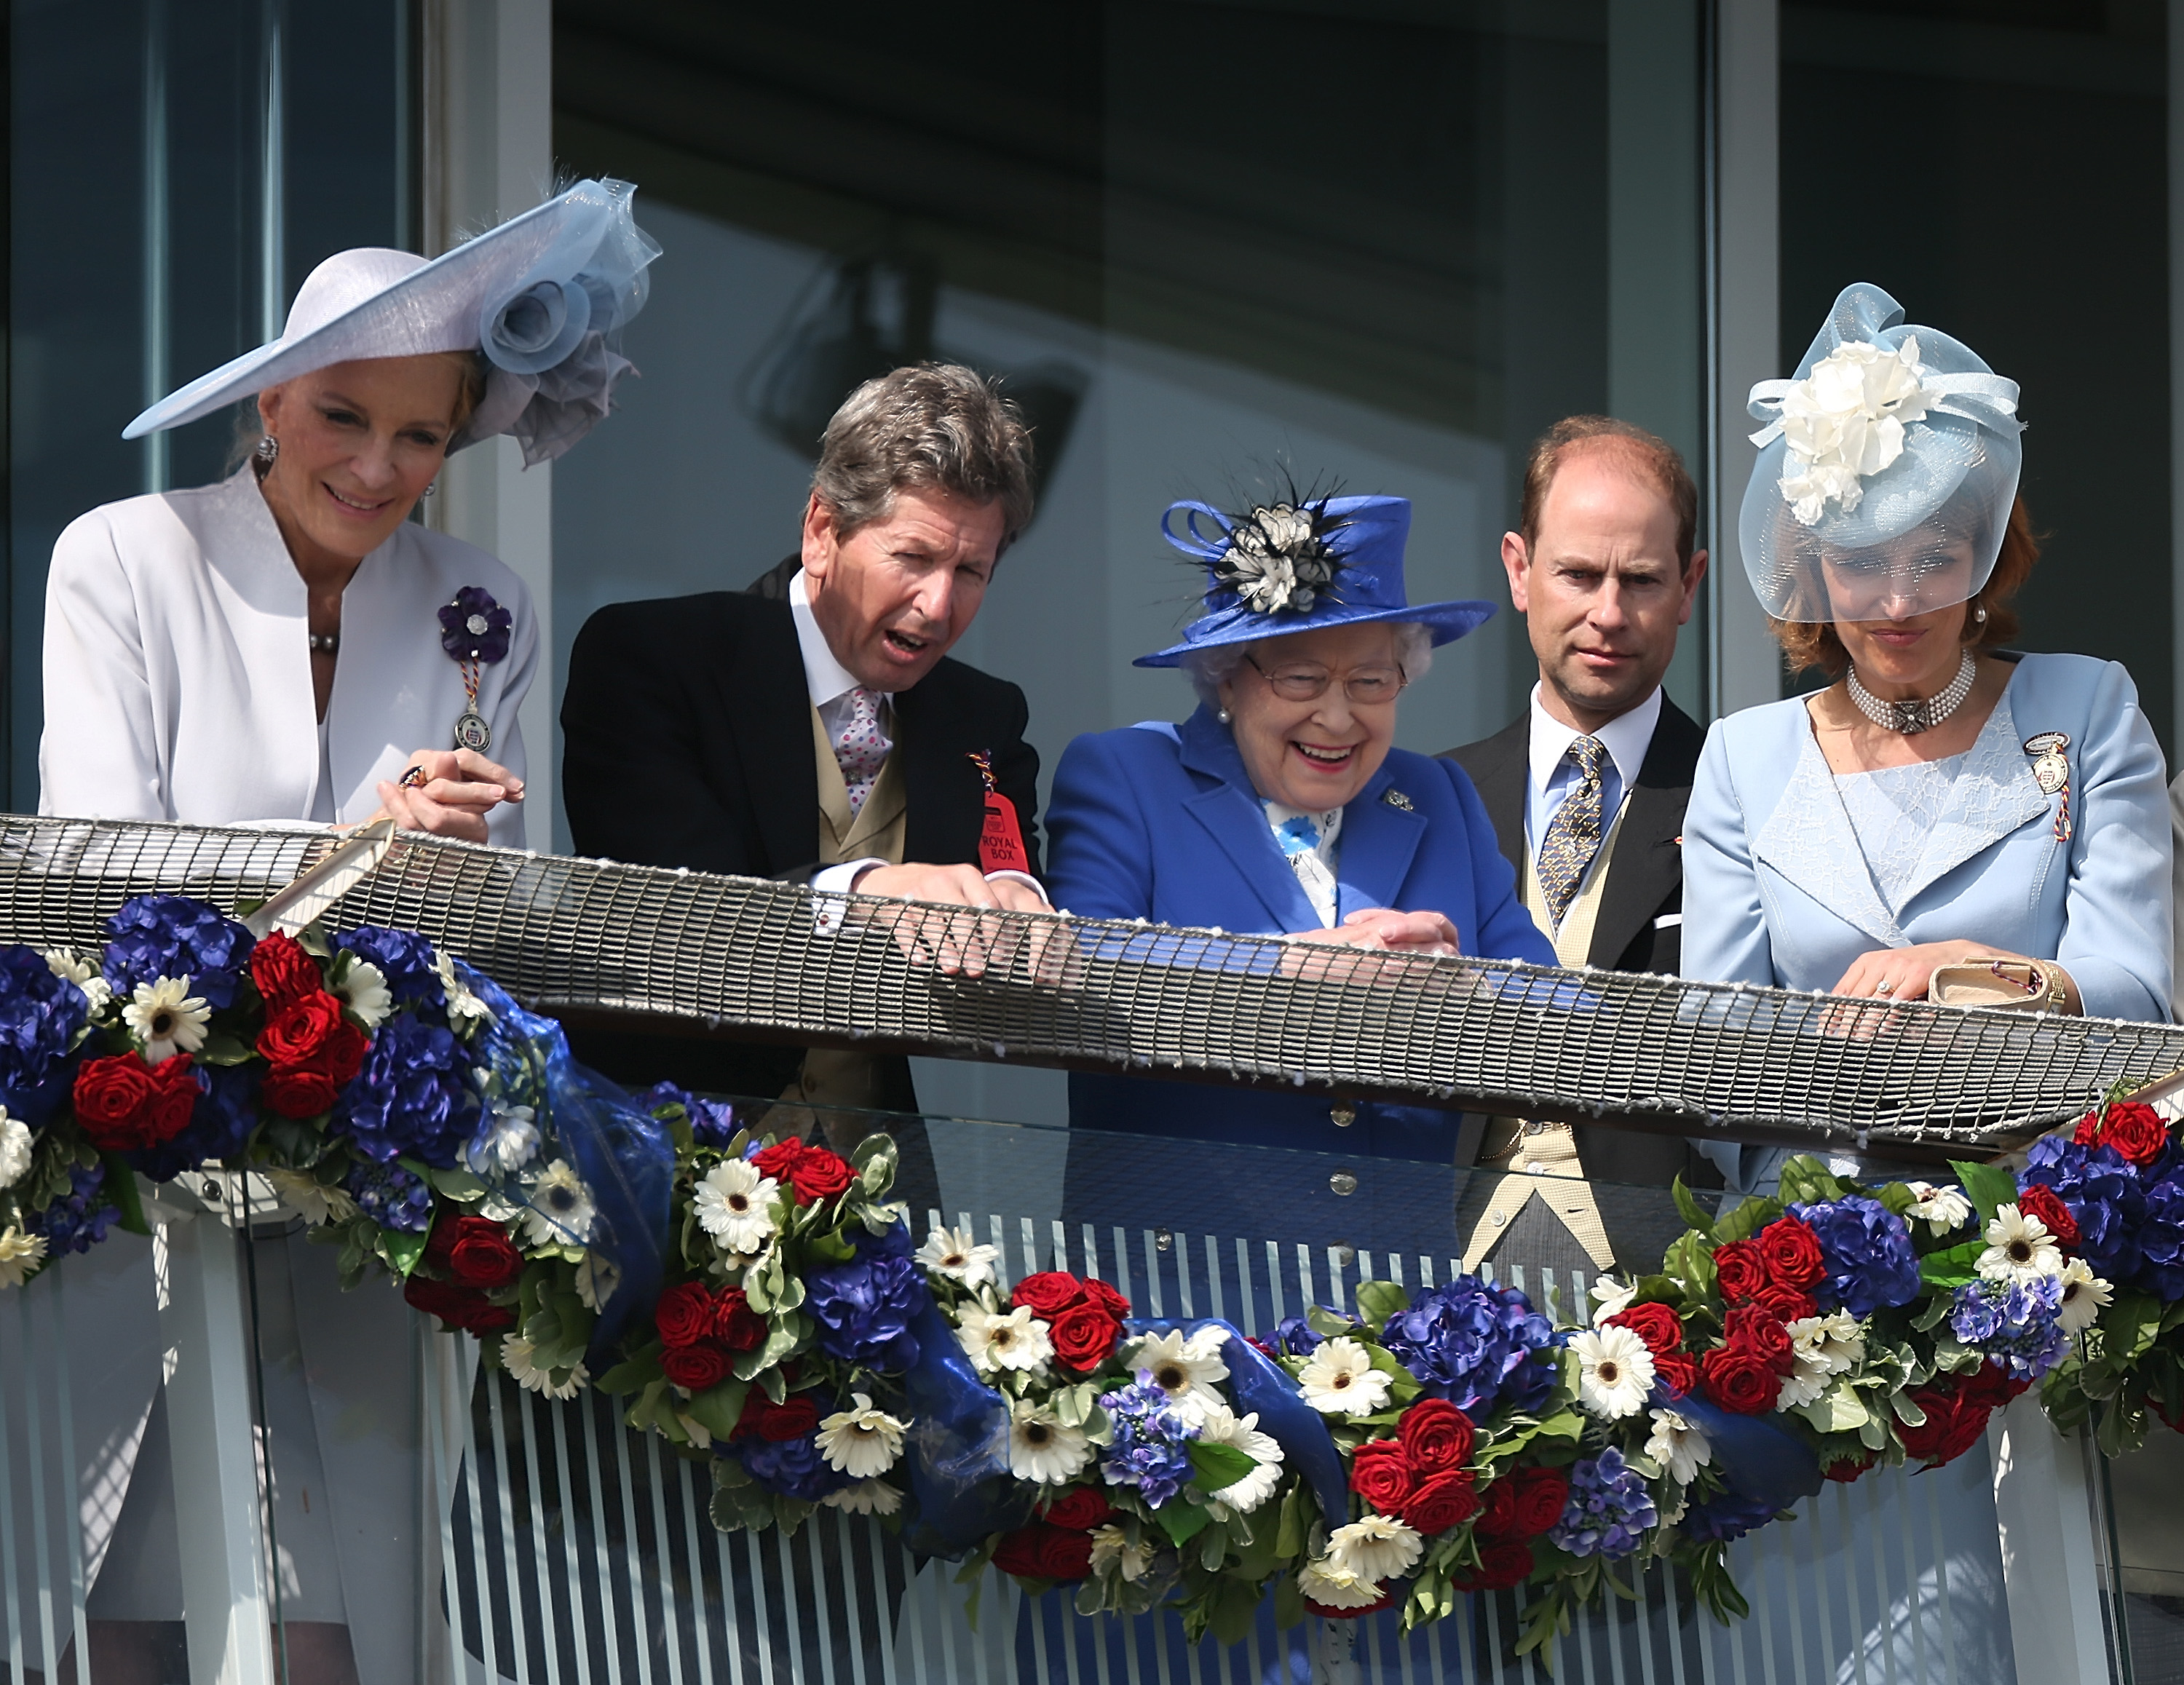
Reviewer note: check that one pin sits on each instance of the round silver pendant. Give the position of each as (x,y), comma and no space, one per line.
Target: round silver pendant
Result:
(472,732)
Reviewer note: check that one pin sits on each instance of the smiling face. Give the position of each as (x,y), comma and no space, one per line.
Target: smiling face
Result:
(893,596)
(1317,754)
(360,442)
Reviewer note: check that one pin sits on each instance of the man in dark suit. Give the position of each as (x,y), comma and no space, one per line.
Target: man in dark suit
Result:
(812,727)
(1586,793)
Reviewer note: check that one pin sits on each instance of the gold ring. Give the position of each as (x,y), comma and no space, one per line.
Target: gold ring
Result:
(414,778)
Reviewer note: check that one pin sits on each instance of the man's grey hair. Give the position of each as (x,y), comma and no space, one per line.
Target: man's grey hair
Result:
(934,426)
(1208,669)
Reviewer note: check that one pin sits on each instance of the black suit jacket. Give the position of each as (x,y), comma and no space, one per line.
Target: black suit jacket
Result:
(1644,885)
(686,728)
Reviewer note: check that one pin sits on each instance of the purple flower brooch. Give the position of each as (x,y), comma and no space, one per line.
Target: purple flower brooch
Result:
(474,631)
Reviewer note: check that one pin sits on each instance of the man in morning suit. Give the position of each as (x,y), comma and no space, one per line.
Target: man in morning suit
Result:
(812,727)
(1586,793)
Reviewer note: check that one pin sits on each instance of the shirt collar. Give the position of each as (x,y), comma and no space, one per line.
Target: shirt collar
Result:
(824,678)
(1625,738)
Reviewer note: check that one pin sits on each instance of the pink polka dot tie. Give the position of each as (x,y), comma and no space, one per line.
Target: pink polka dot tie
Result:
(860,748)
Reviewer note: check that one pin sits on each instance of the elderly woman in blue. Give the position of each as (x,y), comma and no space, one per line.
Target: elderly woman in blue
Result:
(1946,820)
(1281,806)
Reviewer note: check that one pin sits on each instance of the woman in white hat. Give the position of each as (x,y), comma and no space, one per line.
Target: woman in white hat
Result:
(287,645)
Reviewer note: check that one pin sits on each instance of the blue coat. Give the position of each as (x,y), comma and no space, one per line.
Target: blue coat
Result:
(1161,822)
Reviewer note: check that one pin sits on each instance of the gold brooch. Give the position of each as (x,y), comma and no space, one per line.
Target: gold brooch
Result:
(1396,798)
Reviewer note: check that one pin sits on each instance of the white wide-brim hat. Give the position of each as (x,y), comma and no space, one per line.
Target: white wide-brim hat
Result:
(544,296)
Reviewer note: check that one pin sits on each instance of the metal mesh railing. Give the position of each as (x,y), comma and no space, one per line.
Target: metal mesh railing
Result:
(751,958)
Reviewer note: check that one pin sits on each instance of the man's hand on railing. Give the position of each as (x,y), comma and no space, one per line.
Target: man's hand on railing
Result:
(957,934)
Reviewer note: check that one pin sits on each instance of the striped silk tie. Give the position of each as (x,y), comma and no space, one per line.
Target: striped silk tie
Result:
(1573,835)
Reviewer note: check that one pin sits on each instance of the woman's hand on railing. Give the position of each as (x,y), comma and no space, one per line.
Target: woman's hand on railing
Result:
(447,792)
(1373,931)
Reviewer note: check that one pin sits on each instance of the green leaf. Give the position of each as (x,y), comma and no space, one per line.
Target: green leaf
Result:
(221,1048)
(1234,1605)
(1898,1198)
(1296,1524)
(121,1185)
(1750,1216)
(719,1408)
(1376,1301)
(402,1249)
(1986,1186)
(639,1372)
(1182,1522)
(1952,1268)
(830,1247)
(1564,1424)
(1690,1260)
(1327,1324)
(780,1342)
(1688,1207)
(1907,1409)
(1806,1181)
(1218,1465)
(1837,1410)
(1289,1603)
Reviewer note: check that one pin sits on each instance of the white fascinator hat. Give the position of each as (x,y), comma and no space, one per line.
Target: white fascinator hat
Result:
(1886,470)
(544,296)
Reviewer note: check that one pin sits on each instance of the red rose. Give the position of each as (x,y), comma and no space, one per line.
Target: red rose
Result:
(1989,1387)
(1740,1381)
(684,1314)
(1048,1294)
(778,1160)
(1329,1612)
(1677,1373)
(125,1104)
(1502,1564)
(2043,1202)
(2088,1132)
(1098,1293)
(1752,1328)
(1442,1501)
(695,1368)
(1497,1509)
(1084,1336)
(1381,1475)
(1080,1508)
(442,1299)
(796,1417)
(481,1255)
(1656,1325)
(735,1324)
(1436,1436)
(819,1174)
(299,1093)
(1848,1469)
(1740,1269)
(283,971)
(1791,1253)
(294,1033)
(1786,1304)
(1952,1427)
(1041,1552)
(487,1316)
(1542,1495)
(2135,1130)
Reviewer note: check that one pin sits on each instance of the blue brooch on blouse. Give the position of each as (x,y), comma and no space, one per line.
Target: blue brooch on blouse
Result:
(474,631)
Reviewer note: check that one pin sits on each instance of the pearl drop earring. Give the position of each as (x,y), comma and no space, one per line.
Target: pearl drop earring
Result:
(1223,716)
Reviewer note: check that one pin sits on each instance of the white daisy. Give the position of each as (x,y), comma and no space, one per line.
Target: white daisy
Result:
(1615,1371)
(1378,1548)
(1339,1380)
(957,1254)
(461,1003)
(865,1498)
(2019,1247)
(701,1435)
(516,1356)
(1111,1548)
(596,1281)
(1184,1368)
(1610,1296)
(1221,1425)
(559,1211)
(1831,1344)
(1331,1587)
(1679,1445)
(861,1441)
(1043,1450)
(506,1140)
(302,1192)
(65,962)
(14,1148)
(363,989)
(166,1018)
(1940,1209)
(736,1206)
(995,1342)
(19,1255)
(2085,1296)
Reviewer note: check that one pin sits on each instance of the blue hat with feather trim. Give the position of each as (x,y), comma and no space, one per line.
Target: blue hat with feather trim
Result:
(1298,567)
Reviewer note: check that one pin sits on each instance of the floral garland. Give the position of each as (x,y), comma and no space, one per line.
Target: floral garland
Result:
(759,1304)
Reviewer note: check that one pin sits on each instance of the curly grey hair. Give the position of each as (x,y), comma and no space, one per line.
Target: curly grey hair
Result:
(1208,669)
(936,425)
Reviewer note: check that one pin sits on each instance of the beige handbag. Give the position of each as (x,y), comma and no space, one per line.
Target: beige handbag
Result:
(2014,985)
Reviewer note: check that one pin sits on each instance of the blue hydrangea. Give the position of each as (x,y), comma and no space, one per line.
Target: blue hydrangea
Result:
(2160,1235)
(864,1308)
(2102,1191)
(172,936)
(713,1123)
(1871,1265)
(2017,1324)
(407,961)
(79,1219)
(220,1124)
(413,1096)
(795,1468)
(40,1014)
(390,1196)
(1726,1516)
(1478,1344)
(1608,1511)
(1151,1447)
(1293,1336)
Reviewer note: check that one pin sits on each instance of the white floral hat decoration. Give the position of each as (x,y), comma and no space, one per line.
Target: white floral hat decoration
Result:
(1887,430)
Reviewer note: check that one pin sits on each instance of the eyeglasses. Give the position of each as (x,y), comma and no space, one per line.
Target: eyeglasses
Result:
(1365,687)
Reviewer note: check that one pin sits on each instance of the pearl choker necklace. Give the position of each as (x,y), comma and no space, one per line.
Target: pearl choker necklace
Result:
(1920,714)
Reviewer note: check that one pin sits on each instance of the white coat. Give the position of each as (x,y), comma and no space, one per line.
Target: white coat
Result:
(178,670)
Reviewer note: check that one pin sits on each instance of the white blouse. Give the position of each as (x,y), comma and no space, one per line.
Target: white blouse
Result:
(178,667)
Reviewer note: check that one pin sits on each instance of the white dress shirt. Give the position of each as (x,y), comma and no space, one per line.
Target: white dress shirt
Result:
(828,683)
(1554,774)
